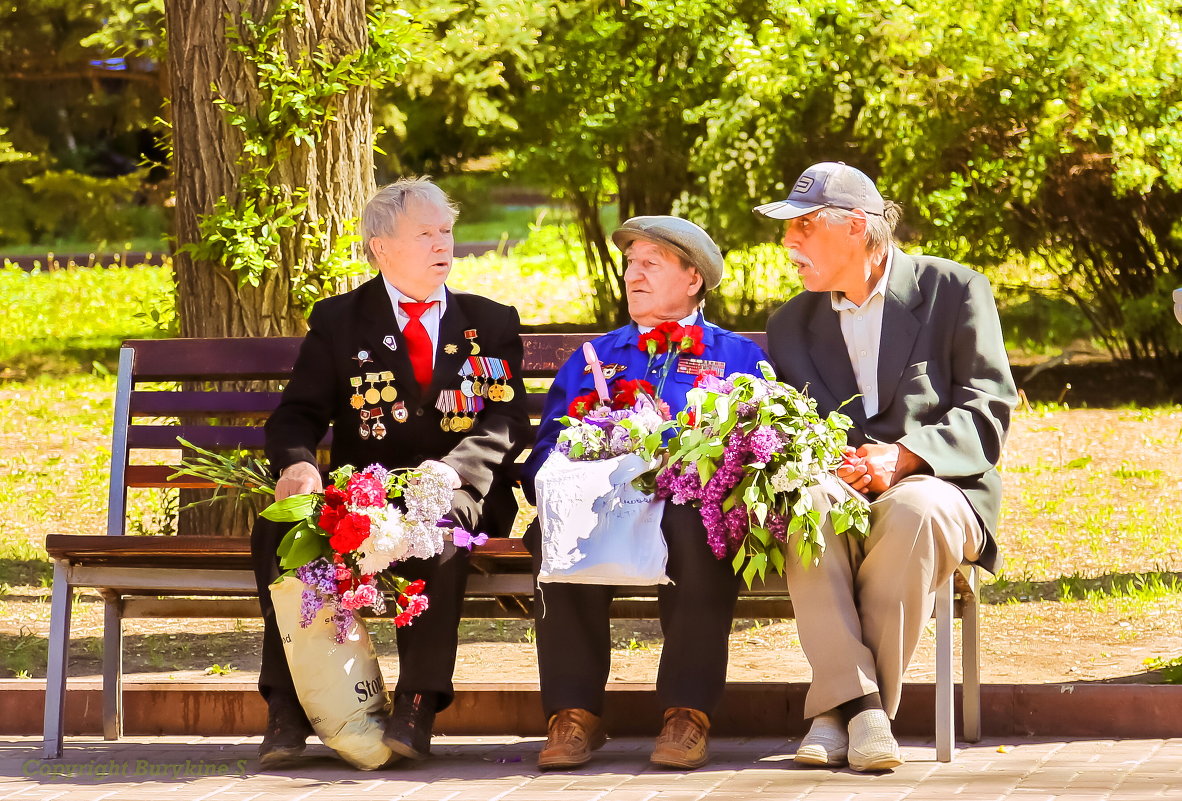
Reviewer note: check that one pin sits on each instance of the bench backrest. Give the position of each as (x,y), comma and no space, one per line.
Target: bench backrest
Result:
(238,380)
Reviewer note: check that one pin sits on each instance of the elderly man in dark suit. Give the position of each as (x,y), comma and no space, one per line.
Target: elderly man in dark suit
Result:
(915,341)
(385,365)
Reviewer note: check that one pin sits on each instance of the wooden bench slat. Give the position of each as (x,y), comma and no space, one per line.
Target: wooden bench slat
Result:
(163,437)
(211,404)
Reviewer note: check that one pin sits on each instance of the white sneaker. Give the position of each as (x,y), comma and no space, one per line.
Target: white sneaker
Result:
(871,744)
(826,743)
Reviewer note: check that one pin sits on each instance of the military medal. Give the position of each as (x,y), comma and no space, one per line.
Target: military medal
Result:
(389,394)
(501,369)
(364,428)
(470,335)
(356,401)
(379,428)
(362,357)
(459,410)
(400,413)
(372,395)
(450,349)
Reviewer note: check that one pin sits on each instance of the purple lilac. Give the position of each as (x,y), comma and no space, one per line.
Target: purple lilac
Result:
(320,575)
(764,443)
(343,620)
(378,472)
(680,483)
(311,602)
(736,523)
(777,524)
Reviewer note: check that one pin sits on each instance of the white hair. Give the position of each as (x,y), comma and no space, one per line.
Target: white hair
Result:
(388,204)
(880,228)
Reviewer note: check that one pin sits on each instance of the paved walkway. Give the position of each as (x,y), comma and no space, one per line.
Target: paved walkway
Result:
(502,769)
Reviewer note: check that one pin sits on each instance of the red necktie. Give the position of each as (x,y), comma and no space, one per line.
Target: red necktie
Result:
(418,343)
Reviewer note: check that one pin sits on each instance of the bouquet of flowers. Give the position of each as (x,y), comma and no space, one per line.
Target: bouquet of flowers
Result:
(632,422)
(344,537)
(747,452)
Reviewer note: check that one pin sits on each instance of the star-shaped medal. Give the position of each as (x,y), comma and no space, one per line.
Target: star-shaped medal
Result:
(450,349)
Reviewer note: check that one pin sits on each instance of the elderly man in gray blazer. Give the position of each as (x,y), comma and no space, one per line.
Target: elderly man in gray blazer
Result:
(915,342)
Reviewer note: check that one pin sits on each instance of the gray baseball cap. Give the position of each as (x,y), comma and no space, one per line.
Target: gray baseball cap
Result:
(682,237)
(831,183)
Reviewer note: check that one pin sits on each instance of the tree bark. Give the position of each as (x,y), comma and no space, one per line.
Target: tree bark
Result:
(337,172)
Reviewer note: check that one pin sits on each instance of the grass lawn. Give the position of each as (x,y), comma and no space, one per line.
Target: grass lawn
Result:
(1091,588)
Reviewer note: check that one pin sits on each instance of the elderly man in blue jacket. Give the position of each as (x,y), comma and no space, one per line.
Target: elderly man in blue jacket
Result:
(672,263)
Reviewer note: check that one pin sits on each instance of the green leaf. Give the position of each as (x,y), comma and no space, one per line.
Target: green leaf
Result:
(306,545)
(291,509)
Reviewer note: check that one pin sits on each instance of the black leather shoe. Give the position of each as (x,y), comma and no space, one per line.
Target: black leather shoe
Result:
(287,731)
(408,729)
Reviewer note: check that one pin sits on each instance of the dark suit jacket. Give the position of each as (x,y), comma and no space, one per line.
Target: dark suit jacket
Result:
(945,389)
(319,393)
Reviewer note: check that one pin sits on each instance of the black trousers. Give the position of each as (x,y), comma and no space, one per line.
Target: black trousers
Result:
(574,631)
(426,648)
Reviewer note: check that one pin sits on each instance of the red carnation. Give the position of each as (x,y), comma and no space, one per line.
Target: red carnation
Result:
(330,517)
(334,497)
(653,342)
(671,329)
(351,531)
(584,403)
(625,392)
(416,587)
(691,340)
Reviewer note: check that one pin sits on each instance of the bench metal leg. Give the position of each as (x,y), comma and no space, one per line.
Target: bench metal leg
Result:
(112,665)
(59,652)
(945,720)
(970,650)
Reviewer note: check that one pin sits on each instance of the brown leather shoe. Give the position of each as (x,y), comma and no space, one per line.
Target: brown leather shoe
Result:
(682,742)
(571,737)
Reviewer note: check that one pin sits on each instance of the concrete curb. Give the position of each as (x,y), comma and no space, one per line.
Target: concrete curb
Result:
(751,709)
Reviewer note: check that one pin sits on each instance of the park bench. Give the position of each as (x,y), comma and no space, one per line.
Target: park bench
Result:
(210,576)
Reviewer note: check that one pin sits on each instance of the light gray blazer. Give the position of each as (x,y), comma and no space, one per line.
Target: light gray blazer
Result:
(945,388)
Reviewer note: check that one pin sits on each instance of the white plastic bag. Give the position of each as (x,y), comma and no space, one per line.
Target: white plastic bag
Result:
(340,686)
(596,527)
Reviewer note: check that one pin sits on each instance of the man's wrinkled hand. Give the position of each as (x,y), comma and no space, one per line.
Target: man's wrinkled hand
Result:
(298,479)
(887,465)
(854,471)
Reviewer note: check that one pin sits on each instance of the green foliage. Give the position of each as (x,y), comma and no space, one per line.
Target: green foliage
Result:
(603,114)
(298,95)
(73,118)
(65,321)
(1170,669)
(1008,129)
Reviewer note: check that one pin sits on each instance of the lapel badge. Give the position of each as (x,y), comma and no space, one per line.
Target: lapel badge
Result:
(470,335)
(400,413)
(450,349)
(609,370)
(362,357)
(390,342)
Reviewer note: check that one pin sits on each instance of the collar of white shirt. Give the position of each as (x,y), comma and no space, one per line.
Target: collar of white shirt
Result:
(842,303)
(644,329)
(398,296)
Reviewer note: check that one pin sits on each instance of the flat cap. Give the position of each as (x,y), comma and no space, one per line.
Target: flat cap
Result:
(680,236)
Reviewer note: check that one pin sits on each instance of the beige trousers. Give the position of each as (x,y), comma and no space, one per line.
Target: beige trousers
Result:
(859,613)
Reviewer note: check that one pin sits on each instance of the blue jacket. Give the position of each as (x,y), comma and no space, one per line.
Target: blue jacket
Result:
(618,349)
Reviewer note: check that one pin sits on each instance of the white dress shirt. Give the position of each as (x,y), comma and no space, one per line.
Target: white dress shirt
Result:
(693,318)
(861,327)
(430,318)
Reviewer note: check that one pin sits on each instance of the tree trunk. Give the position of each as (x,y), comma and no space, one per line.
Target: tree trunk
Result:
(209,164)
(337,171)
